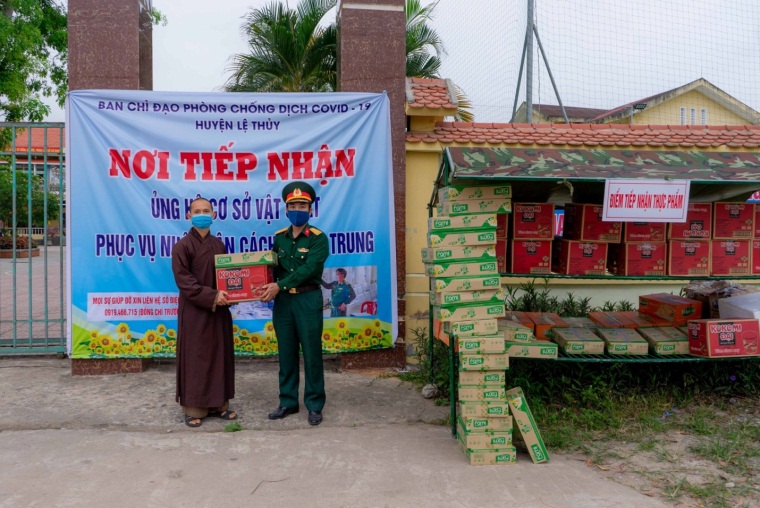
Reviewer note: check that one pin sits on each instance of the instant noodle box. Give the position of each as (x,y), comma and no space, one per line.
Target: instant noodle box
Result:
(581,258)
(731,257)
(733,220)
(530,256)
(484,409)
(623,341)
(544,322)
(532,221)
(644,232)
(648,259)
(518,317)
(666,341)
(459,253)
(243,274)
(715,338)
(698,223)
(473,222)
(689,257)
(580,322)
(610,320)
(501,254)
(675,309)
(471,206)
(757,221)
(460,192)
(584,222)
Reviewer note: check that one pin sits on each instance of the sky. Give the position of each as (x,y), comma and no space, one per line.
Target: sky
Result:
(601,54)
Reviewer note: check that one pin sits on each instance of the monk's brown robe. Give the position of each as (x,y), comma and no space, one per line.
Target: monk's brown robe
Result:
(205,349)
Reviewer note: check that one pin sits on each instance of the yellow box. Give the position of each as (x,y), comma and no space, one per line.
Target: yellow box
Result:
(526,425)
(482,377)
(483,362)
(485,439)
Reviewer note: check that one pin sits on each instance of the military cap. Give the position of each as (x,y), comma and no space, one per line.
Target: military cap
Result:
(298,191)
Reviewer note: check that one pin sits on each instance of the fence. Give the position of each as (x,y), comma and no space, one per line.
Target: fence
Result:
(32,235)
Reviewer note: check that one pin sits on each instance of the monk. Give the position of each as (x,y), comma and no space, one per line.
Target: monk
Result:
(205,349)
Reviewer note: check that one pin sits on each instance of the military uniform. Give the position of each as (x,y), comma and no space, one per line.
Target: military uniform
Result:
(297,312)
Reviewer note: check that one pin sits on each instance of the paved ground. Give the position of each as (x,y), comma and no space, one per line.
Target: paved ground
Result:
(119,441)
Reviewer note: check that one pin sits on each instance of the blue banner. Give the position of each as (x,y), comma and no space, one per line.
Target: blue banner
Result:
(136,159)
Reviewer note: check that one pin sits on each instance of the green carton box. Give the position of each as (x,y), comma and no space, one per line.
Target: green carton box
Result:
(483,362)
(443,238)
(473,206)
(537,349)
(578,341)
(493,393)
(473,424)
(483,409)
(485,457)
(623,341)
(460,192)
(526,425)
(459,253)
(490,377)
(472,222)
(666,340)
(264,257)
(469,328)
(467,297)
(468,312)
(515,332)
(461,268)
(483,344)
(457,284)
(483,439)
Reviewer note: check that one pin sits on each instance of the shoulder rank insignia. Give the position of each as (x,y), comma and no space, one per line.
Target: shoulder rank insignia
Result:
(315,230)
(280,231)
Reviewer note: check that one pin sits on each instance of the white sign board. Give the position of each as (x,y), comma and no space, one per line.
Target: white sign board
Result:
(646,200)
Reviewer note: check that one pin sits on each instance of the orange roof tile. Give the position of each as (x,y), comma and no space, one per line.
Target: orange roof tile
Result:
(428,92)
(38,143)
(698,136)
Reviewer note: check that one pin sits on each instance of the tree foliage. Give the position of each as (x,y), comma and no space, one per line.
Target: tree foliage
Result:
(27,193)
(33,38)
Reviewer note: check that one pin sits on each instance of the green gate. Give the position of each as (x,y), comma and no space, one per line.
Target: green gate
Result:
(32,239)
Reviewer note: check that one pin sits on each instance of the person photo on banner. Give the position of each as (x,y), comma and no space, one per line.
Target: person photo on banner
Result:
(301,252)
(341,293)
(205,347)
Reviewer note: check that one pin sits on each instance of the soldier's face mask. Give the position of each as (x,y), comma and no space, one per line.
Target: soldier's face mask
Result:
(298,217)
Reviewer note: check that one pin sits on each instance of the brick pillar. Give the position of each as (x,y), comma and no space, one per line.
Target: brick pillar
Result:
(110,47)
(372,58)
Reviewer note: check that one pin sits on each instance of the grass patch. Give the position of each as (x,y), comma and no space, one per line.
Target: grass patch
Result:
(233,427)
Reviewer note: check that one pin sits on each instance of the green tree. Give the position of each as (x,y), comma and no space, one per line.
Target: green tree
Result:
(33,38)
(27,193)
(291,52)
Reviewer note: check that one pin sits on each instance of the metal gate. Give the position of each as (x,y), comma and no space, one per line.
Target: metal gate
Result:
(32,239)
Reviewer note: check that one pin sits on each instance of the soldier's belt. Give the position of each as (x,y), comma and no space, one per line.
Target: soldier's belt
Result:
(303,289)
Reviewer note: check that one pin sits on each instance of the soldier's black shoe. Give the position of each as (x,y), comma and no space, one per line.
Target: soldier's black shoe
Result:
(315,417)
(282,412)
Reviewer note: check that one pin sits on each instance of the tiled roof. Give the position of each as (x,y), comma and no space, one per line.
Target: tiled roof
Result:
(699,137)
(54,140)
(429,93)
(549,110)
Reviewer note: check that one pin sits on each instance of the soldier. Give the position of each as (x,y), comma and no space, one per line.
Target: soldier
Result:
(297,315)
(341,293)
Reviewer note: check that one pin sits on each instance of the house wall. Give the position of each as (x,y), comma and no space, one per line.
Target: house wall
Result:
(669,113)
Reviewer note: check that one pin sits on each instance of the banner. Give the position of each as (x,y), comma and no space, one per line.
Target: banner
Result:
(136,159)
(646,200)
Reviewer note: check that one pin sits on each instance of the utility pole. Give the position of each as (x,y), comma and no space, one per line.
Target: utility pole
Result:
(527,57)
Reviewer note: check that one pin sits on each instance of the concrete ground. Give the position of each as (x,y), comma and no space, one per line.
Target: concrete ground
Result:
(120,441)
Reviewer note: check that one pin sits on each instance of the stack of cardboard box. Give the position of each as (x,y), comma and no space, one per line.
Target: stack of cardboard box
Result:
(530,238)
(583,248)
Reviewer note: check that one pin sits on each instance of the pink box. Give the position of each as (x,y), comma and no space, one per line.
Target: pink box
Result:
(530,256)
(731,257)
(698,223)
(532,221)
(733,220)
(689,257)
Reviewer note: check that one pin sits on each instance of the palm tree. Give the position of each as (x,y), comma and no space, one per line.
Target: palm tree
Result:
(289,51)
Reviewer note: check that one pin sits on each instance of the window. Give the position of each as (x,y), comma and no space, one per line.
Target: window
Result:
(704,116)
(683,116)
(693,116)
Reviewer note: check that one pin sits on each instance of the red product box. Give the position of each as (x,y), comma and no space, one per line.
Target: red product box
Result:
(733,220)
(644,231)
(723,337)
(611,320)
(756,257)
(519,318)
(698,223)
(545,321)
(243,283)
(689,257)
(676,309)
(501,254)
(502,225)
(581,258)
(757,220)
(646,258)
(584,222)
(530,256)
(731,257)
(532,221)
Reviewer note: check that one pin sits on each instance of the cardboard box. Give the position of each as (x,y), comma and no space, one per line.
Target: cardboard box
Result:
(470,223)
(502,226)
(484,377)
(532,221)
(479,457)
(644,232)
(756,257)
(526,425)
(493,393)
(646,259)
(579,341)
(501,255)
(731,257)
(243,274)
(543,322)
(584,222)
(461,268)
(515,332)
(581,258)
(518,317)
(482,345)
(666,341)
(483,362)
(757,221)
(654,320)
(710,292)
(483,440)
(580,322)
(471,328)
(623,341)
(484,409)
(468,312)
(733,220)
(638,320)
(483,424)
(744,306)
(459,253)
(538,349)
(688,257)
(456,284)
(467,297)
(472,206)
(530,256)
(698,224)
(611,320)
(716,338)
(675,309)
(445,238)
(459,192)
